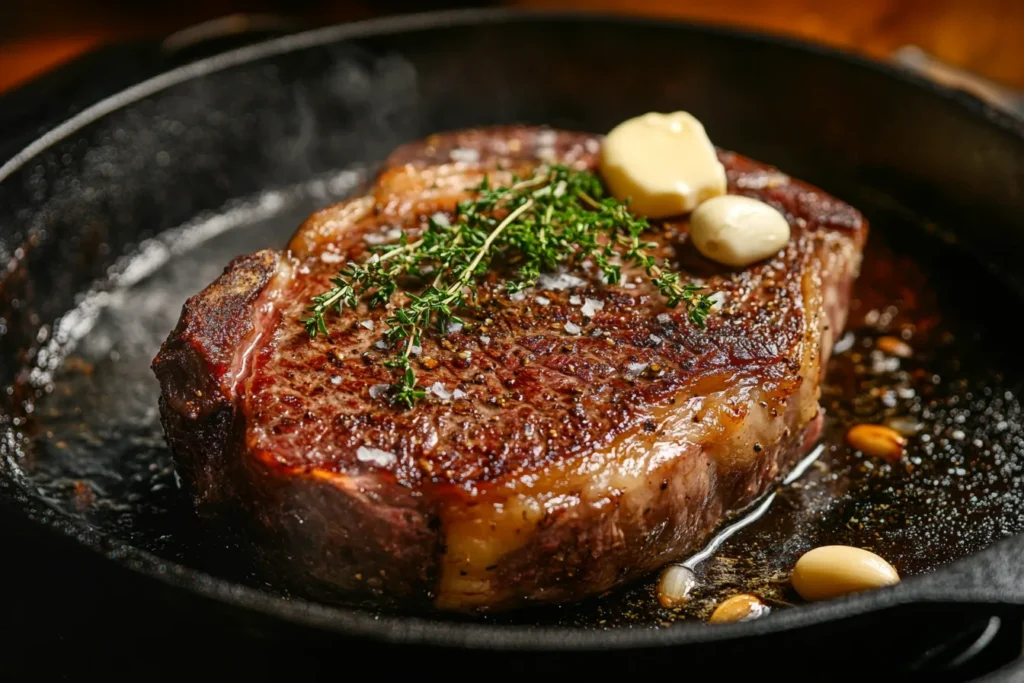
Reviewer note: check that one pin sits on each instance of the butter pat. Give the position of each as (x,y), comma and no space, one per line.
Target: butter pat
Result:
(663,163)
(738,231)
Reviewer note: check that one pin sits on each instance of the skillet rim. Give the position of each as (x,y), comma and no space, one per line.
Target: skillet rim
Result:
(420,630)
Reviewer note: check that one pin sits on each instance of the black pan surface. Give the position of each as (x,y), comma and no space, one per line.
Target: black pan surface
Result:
(111,220)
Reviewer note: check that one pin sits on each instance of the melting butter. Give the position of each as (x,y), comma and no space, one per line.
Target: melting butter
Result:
(663,163)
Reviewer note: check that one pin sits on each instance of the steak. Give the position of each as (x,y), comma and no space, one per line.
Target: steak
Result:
(575,436)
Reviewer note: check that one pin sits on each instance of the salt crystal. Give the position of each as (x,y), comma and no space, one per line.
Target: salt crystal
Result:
(465,155)
(546,138)
(415,350)
(454,328)
(717,299)
(485,339)
(368,324)
(458,393)
(335,380)
(376,391)
(382,237)
(543,300)
(572,328)
(664,318)
(441,219)
(634,369)
(375,456)
(381,345)
(591,306)
(440,390)
(656,339)
(558,281)
(575,300)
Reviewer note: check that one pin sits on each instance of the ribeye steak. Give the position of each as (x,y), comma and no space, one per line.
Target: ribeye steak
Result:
(546,464)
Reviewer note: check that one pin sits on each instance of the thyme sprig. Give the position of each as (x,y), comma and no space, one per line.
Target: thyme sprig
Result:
(558,216)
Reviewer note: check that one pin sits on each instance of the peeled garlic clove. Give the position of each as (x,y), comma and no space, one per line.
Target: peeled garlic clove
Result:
(664,164)
(738,231)
(893,346)
(835,570)
(675,585)
(876,441)
(738,608)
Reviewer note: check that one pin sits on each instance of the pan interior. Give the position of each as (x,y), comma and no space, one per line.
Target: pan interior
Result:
(96,451)
(124,221)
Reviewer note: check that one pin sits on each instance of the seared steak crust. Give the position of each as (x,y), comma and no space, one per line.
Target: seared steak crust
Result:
(576,436)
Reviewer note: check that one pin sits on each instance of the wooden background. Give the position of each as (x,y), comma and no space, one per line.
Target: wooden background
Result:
(985,36)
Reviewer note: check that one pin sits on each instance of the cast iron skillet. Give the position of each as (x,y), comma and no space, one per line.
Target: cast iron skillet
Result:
(191,141)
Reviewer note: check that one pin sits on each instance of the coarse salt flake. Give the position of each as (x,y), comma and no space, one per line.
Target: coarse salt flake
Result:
(664,318)
(440,390)
(558,281)
(377,390)
(546,138)
(458,394)
(454,328)
(382,237)
(465,155)
(542,300)
(375,456)
(575,300)
(572,328)
(717,299)
(635,369)
(591,306)
(368,324)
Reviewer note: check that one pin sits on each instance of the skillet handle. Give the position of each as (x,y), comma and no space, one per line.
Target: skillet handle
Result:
(917,60)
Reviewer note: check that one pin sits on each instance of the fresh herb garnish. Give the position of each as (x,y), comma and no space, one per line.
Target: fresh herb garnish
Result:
(558,216)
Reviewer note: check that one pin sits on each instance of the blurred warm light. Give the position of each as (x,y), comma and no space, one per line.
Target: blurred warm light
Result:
(979,35)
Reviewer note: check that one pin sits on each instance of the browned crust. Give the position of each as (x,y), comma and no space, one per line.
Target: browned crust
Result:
(193,367)
(536,396)
(248,431)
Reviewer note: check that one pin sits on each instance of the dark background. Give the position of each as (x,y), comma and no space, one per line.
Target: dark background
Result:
(981,35)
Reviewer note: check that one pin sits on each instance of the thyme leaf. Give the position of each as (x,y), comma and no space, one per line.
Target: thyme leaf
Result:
(557,216)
